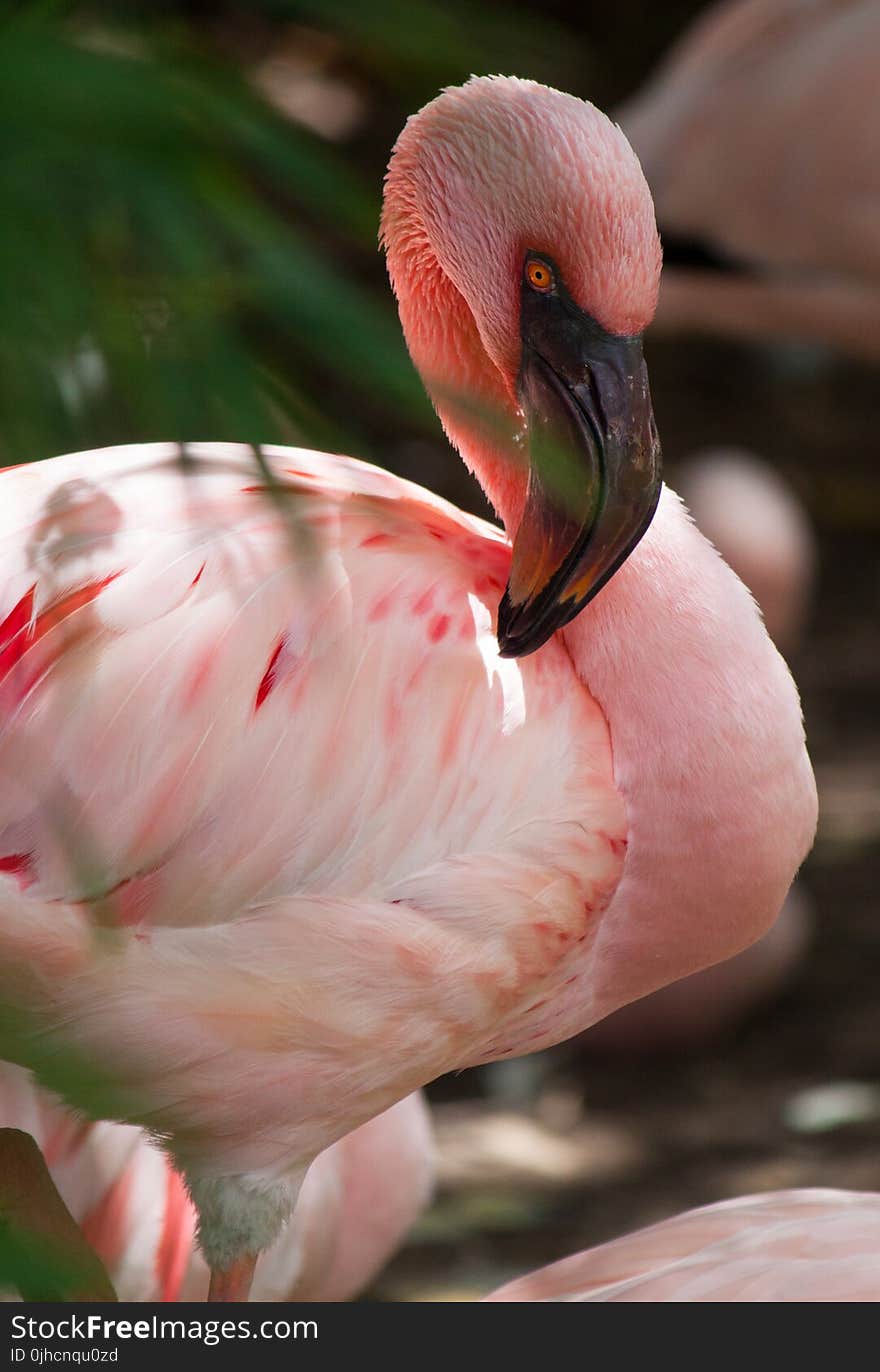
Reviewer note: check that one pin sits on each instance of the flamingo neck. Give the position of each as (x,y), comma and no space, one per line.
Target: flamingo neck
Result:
(709,755)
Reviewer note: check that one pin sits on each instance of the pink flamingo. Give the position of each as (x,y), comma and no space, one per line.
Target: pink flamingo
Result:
(285,835)
(812,1245)
(758,136)
(358,1199)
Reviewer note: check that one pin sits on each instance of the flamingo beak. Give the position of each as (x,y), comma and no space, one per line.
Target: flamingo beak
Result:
(594,467)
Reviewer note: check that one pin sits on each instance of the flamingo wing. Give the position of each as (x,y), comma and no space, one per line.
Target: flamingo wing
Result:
(281,836)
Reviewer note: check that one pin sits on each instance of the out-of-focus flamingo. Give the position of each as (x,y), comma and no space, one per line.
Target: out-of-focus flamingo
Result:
(759,136)
(810,1245)
(286,835)
(762,531)
(357,1201)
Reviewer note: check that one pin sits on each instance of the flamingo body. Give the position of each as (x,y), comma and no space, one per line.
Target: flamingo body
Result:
(179,663)
(811,1245)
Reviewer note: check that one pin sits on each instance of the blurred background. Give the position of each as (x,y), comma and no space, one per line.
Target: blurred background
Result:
(188,250)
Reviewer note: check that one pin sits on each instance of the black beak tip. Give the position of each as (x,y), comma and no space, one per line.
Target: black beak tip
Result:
(515,638)
(506,615)
(509,640)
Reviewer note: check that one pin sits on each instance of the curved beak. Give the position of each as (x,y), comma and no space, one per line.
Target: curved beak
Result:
(594,467)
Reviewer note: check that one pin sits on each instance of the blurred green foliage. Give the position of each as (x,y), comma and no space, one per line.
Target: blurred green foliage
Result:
(143,264)
(33,1267)
(177,259)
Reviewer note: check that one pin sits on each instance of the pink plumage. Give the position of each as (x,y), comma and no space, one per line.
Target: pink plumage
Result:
(283,833)
(796,1246)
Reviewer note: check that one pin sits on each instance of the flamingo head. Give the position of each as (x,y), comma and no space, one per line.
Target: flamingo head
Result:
(524,255)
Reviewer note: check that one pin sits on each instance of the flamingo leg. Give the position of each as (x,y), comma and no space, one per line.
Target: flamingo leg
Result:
(233,1283)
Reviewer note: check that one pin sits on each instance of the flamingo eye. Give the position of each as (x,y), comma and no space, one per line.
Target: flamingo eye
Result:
(539,275)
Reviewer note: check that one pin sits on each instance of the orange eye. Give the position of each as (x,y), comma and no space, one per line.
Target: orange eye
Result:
(539,275)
